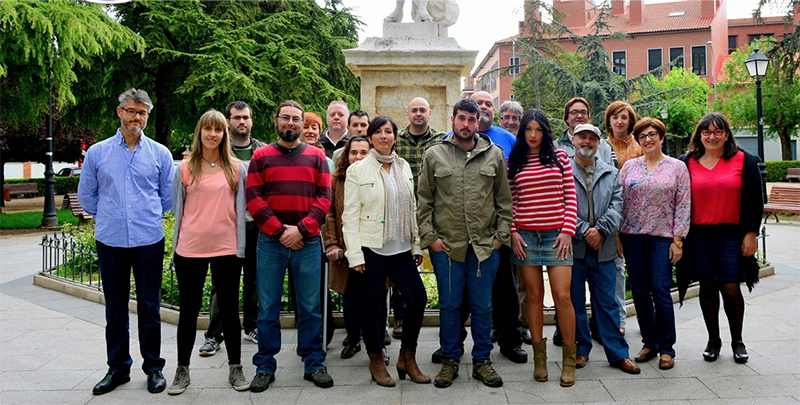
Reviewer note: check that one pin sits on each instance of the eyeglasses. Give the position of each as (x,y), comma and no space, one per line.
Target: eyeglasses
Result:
(651,135)
(510,118)
(240,117)
(286,118)
(131,112)
(575,113)
(715,132)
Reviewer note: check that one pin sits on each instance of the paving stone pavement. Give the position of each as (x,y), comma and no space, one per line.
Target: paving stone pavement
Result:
(52,351)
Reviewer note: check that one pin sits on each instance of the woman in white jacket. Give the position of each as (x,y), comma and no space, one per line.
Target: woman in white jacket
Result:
(380,232)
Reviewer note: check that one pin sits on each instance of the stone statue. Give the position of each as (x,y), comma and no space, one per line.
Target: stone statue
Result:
(438,11)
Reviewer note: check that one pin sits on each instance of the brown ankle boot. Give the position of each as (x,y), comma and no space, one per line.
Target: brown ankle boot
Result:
(378,370)
(568,367)
(407,364)
(540,360)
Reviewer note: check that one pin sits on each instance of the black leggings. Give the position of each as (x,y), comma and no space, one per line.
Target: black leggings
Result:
(225,274)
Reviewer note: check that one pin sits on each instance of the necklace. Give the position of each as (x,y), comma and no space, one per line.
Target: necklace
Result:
(213,164)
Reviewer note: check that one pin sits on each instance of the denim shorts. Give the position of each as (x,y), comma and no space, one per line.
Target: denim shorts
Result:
(540,251)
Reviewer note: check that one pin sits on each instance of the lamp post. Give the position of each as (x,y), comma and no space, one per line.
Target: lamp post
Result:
(664,116)
(713,70)
(757,65)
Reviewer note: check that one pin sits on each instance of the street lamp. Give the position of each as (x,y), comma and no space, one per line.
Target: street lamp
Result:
(664,116)
(710,46)
(757,65)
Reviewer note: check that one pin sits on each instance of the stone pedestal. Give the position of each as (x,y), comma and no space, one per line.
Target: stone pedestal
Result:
(411,60)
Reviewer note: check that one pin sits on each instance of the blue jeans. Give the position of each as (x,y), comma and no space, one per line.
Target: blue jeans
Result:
(304,264)
(115,271)
(650,273)
(602,280)
(619,262)
(452,276)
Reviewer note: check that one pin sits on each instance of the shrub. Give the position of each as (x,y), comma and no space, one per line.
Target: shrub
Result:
(63,185)
(776,169)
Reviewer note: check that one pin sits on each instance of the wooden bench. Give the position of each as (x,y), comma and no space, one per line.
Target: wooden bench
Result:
(71,202)
(20,190)
(784,200)
(793,173)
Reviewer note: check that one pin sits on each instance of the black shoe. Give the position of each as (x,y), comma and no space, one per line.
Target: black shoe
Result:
(261,382)
(515,354)
(526,338)
(321,378)
(740,352)
(350,350)
(557,339)
(712,350)
(156,382)
(110,381)
(493,336)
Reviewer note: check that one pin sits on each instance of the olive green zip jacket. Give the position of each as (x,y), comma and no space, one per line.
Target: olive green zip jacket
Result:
(464,198)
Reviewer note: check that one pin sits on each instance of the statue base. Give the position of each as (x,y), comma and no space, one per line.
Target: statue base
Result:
(411,60)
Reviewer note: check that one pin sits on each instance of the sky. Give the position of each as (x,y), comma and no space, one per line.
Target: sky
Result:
(501,16)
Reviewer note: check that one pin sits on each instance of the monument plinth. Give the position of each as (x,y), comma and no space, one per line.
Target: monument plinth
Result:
(411,60)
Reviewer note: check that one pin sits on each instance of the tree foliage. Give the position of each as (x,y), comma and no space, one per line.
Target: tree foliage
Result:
(780,90)
(203,55)
(44,44)
(685,96)
(28,142)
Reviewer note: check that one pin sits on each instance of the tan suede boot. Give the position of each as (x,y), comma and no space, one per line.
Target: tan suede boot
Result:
(377,368)
(568,366)
(540,360)
(407,364)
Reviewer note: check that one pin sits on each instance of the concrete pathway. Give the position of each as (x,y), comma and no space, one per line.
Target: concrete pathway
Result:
(53,351)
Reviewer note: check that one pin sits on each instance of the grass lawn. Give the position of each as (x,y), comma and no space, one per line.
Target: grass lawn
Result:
(33,220)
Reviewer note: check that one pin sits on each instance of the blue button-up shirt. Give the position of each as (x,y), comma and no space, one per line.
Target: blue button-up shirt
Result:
(127,192)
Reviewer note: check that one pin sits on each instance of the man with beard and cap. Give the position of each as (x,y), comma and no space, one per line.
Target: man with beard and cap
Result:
(240,123)
(288,195)
(126,185)
(595,247)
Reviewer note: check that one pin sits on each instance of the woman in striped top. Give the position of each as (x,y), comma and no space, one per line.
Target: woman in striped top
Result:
(545,211)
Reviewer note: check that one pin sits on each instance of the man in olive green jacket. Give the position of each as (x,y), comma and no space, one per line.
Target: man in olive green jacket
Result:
(464,215)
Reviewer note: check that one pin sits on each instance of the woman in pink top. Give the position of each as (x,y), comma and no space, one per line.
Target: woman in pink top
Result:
(209,203)
(545,216)
(656,203)
(724,228)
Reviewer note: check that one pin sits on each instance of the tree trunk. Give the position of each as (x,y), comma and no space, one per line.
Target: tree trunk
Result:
(786,143)
(163,93)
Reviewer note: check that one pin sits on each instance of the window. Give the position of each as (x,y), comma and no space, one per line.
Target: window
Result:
(514,66)
(653,59)
(677,13)
(732,43)
(753,37)
(699,60)
(620,63)
(675,53)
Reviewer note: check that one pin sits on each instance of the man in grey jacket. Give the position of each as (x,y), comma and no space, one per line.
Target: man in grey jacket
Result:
(594,245)
(464,216)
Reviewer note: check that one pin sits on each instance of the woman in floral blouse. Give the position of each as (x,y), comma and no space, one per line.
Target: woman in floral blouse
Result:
(656,212)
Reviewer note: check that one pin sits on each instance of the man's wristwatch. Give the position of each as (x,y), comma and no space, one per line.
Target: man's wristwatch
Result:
(678,243)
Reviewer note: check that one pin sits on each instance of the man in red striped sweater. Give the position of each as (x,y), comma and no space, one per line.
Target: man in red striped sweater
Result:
(288,194)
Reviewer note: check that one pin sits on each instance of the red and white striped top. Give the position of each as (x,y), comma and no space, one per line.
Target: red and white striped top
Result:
(544,196)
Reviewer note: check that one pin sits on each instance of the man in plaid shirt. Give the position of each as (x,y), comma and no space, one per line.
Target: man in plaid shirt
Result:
(418,135)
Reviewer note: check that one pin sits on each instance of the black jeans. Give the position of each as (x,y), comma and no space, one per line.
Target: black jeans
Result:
(505,302)
(191,273)
(116,264)
(402,271)
(249,292)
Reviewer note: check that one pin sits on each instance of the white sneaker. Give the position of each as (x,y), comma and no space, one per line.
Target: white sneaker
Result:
(252,336)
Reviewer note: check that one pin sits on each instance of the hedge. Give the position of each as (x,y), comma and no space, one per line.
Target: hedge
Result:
(63,185)
(776,169)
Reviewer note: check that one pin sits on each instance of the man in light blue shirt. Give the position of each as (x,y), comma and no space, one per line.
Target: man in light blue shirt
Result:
(126,185)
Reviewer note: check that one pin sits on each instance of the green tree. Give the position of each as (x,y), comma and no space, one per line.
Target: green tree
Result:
(780,89)
(203,55)
(685,96)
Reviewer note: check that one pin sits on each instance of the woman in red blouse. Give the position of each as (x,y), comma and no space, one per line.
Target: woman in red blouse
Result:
(724,227)
(545,215)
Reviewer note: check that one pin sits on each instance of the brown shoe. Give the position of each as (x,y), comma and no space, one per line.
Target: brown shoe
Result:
(666,363)
(378,371)
(622,331)
(626,365)
(645,355)
(580,361)
(407,364)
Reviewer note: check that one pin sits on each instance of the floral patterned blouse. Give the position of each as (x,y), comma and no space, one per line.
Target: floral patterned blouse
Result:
(657,203)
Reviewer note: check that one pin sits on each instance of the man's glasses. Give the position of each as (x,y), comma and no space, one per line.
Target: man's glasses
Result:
(651,135)
(131,112)
(287,118)
(510,118)
(575,113)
